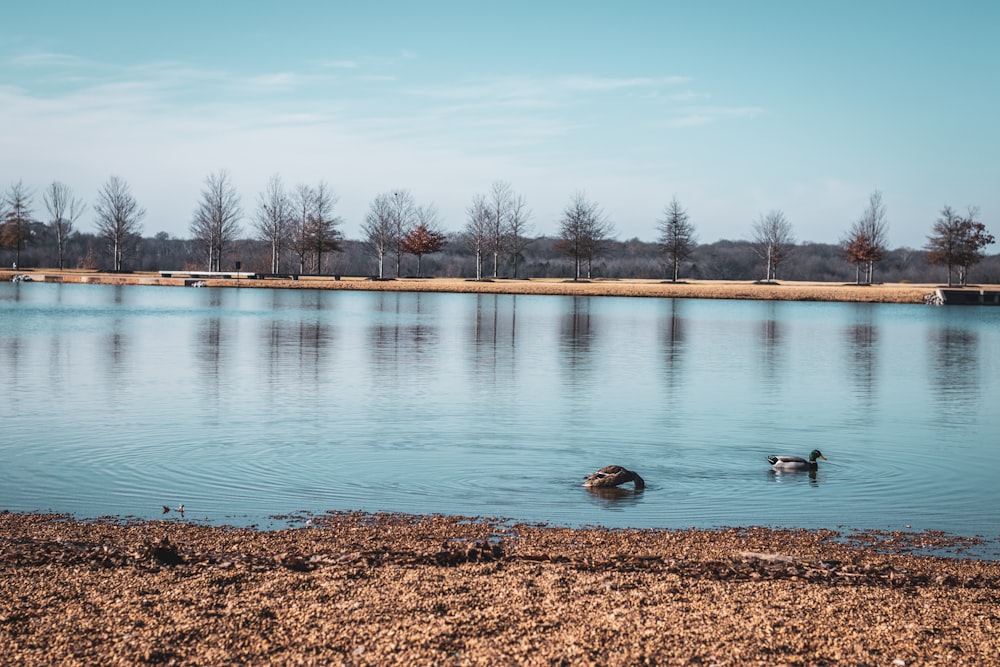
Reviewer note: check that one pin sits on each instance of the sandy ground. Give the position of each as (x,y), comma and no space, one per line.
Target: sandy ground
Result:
(358,589)
(708,289)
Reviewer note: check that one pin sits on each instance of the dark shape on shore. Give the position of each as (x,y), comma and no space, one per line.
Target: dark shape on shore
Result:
(612,476)
(796,462)
(166,553)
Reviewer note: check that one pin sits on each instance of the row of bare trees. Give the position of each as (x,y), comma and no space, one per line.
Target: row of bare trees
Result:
(498,226)
(300,227)
(396,225)
(117,217)
(772,239)
(300,223)
(956,241)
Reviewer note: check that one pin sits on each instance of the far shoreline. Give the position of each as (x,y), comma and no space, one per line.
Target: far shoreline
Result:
(782,290)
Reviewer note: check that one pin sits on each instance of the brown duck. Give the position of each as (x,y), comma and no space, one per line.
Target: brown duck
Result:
(612,476)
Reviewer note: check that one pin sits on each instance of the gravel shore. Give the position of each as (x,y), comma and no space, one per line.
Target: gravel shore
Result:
(362,589)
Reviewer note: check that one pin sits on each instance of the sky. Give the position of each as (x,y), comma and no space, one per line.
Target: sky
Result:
(735,108)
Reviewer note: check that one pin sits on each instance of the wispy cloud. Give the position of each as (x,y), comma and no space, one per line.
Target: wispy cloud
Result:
(698,116)
(542,89)
(538,103)
(365,62)
(169,122)
(685,97)
(47,59)
(276,81)
(343,64)
(606,84)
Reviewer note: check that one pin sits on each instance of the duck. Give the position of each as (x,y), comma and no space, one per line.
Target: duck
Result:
(796,462)
(612,476)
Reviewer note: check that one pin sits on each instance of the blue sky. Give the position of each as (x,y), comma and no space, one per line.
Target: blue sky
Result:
(735,108)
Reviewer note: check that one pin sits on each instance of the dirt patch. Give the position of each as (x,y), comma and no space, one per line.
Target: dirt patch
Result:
(360,589)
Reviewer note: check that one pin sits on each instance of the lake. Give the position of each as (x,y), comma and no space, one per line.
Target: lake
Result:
(246,404)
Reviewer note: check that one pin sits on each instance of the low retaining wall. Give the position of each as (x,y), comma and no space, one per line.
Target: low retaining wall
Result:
(967,297)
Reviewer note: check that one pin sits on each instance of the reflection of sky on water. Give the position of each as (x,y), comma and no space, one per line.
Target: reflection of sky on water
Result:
(247,403)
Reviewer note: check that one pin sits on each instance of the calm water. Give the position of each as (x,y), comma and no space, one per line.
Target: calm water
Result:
(244,404)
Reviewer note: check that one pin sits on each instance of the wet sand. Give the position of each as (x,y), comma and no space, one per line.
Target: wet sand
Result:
(359,589)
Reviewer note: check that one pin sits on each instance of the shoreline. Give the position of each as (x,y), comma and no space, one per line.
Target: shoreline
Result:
(654,288)
(372,589)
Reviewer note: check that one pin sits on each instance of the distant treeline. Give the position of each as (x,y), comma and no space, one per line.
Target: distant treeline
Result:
(540,258)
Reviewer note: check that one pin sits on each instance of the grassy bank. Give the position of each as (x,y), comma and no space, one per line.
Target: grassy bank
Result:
(704,289)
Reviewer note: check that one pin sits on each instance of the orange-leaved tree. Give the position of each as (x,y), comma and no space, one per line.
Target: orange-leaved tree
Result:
(423,240)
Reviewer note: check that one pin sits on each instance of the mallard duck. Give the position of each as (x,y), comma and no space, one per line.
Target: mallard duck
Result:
(796,462)
(611,476)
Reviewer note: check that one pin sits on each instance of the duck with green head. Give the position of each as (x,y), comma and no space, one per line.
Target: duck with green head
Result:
(796,462)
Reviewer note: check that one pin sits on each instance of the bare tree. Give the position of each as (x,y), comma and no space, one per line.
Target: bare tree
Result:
(404,211)
(772,241)
(477,229)
(677,238)
(865,243)
(957,242)
(64,210)
(518,227)
(216,221)
(118,219)
(600,231)
(584,232)
(379,229)
(302,205)
(16,229)
(272,219)
(321,233)
(426,237)
(500,201)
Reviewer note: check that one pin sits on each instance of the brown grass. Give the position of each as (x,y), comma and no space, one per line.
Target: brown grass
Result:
(703,289)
